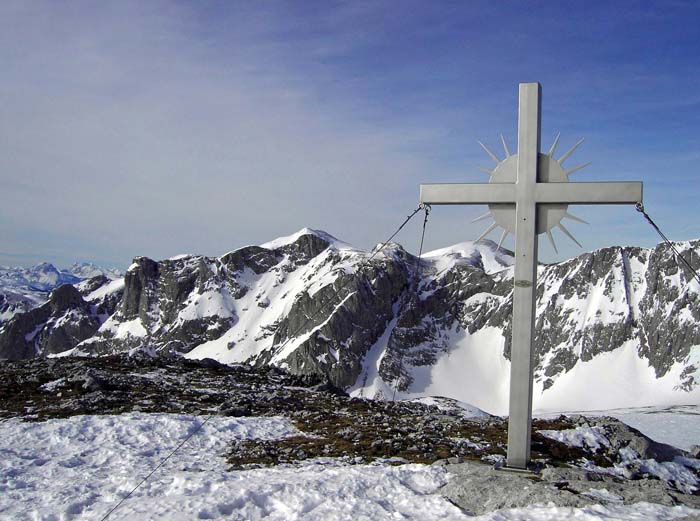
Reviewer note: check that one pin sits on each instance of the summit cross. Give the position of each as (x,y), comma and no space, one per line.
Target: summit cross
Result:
(528,194)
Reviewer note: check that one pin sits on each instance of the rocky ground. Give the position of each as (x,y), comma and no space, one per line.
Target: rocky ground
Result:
(619,469)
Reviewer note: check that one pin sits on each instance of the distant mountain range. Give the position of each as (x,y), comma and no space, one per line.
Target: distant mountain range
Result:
(616,327)
(22,289)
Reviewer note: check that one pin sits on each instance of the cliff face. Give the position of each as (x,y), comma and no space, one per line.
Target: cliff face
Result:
(315,305)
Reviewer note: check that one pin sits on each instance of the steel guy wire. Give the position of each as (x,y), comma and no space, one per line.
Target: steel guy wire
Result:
(162,462)
(640,208)
(426,208)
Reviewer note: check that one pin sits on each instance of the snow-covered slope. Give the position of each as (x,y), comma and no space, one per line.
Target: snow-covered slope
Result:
(617,327)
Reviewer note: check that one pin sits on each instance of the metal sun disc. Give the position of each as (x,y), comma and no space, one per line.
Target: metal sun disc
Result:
(548,215)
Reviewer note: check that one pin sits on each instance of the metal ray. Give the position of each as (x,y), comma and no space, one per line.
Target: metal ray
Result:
(566,156)
(482,217)
(488,230)
(574,218)
(486,149)
(503,238)
(568,234)
(505,146)
(485,170)
(576,168)
(554,145)
(551,240)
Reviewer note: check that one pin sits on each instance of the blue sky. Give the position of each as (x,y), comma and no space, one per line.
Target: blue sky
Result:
(158,128)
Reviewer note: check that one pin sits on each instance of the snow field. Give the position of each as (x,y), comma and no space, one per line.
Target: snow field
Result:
(80,467)
(83,465)
(475,372)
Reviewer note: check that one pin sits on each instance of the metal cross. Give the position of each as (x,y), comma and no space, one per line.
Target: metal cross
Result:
(538,187)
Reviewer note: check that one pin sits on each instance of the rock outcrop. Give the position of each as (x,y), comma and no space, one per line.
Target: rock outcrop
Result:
(61,323)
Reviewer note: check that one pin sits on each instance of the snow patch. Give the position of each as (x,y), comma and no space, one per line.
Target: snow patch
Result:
(481,254)
(582,437)
(466,410)
(291,239)
(107,289)
(126,329)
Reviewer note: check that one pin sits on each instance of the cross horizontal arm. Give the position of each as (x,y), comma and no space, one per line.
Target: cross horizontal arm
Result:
(467,193)
(589,193)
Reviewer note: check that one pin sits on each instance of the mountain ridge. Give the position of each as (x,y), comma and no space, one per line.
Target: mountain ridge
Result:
(399,326)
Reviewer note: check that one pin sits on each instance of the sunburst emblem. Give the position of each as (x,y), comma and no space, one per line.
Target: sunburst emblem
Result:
(550,170)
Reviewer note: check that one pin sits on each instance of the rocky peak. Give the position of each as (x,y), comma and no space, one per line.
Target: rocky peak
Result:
(65,297)
(59,324)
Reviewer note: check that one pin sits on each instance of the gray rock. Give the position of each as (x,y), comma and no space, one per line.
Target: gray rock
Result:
(478,489)
(60,324)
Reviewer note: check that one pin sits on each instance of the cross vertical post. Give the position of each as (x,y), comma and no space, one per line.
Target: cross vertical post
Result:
(520,407)
(522,189)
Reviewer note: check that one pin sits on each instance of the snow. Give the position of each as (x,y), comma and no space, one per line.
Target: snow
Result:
(672,471)
(583,437)
(290,239)
(250,335)
(474,371)
(30,336)
(132,327)
(53,385)
(466,410)
(267,301)
(482,253)
(612,380)
(88,270)
(207,304)
(290,347)
(603,494)
(81,467)
(107,289)
(636,512)
(678,426)
(369,384)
